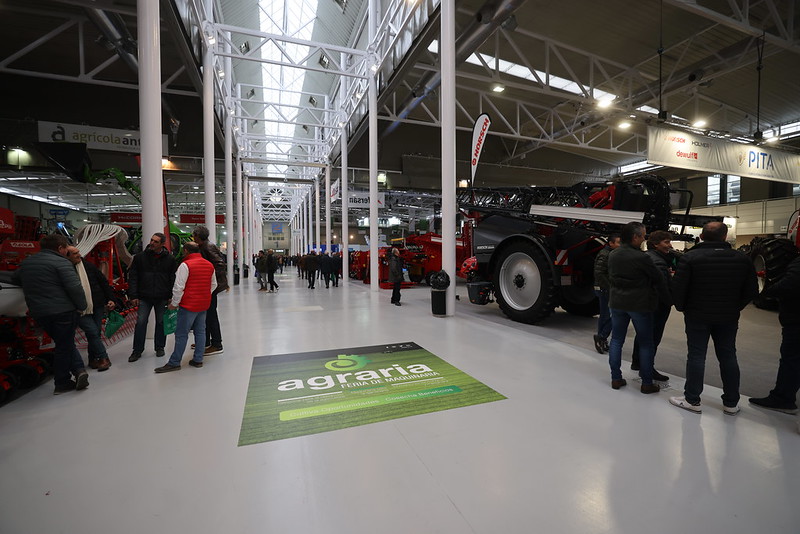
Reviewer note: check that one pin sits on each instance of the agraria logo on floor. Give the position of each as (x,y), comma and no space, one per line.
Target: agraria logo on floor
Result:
(289,397)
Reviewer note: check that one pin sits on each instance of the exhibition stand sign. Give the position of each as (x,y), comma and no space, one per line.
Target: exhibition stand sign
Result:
(294,395)
(686,150)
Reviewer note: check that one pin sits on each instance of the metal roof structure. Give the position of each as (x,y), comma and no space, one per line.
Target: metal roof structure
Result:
(74,61)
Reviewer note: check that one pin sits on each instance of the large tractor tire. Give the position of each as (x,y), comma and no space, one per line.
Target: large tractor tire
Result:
(579,301)
(523,283)
(770,257)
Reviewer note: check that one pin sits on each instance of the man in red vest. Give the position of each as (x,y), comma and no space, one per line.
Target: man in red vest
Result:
(191,296)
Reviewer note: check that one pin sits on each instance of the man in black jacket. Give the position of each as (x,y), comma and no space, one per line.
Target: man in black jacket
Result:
(636,288)
(99,298)
(54,296)
(272,266)
(150,279)
(711,286)
(783,397)
(601,288)
(395,274)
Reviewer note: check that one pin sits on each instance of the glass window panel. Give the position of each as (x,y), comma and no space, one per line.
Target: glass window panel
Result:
(713,190)
(733,189)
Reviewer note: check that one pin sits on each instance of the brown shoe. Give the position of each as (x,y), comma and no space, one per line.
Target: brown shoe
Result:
(616,384)
(650,388)
(102,364)
(95,364)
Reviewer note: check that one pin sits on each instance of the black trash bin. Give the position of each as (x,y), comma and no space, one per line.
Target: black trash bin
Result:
(440,281)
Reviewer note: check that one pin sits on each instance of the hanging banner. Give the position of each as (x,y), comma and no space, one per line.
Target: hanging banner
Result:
(335,191)
(95,137)
(479,131)
(685,150)
(361,200)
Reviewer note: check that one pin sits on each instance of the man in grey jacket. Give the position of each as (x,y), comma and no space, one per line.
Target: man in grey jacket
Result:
(54,296)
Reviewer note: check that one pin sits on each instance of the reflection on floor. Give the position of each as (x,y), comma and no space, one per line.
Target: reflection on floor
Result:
(139,452)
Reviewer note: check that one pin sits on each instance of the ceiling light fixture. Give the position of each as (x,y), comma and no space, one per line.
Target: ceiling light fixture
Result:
(699,123)
(624,125)
(605,103)
(498,87)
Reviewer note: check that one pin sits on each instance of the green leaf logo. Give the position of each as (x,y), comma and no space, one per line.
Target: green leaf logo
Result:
(347,363)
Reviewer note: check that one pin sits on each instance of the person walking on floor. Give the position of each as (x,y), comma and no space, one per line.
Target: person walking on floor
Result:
(99,299)
(211,253)
(195,282)
(659,250)
(337,268)
(396,274)
(311,264)
(602,285)
(150,279)
(272,266)
(711,286)
(260,264)
(783,397)
(635,288)
(326,268)
(54,296)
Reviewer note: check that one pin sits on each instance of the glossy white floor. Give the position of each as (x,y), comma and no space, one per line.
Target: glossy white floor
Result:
(139,452)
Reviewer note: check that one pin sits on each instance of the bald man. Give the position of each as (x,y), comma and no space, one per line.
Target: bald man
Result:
(711,286)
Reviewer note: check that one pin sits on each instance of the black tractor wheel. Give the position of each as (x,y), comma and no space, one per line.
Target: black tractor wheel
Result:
(26,375)
(579,301)
(770,257)
(523,283)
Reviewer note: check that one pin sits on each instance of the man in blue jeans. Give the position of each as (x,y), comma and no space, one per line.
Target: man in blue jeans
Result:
(54,296)
(191,296)
(636,286)
(99,298)
(602,285)
(712,284)
(150,279)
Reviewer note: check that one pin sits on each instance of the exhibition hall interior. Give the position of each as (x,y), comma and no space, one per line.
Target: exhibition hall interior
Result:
(407,201)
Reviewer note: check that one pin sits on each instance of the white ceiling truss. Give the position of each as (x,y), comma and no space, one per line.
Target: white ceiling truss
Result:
(550,99)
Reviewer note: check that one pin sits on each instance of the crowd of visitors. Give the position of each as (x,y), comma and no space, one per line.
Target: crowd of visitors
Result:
(710,284)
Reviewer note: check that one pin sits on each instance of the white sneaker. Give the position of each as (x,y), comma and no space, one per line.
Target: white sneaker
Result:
(730,410)
(681,402)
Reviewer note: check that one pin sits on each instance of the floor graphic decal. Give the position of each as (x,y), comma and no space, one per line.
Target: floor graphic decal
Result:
(294,395)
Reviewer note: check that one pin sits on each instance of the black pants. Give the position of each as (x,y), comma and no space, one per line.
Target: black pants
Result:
(213,331)
(66,358)
(396,292)
(271,280)
(660,317)
(788,382)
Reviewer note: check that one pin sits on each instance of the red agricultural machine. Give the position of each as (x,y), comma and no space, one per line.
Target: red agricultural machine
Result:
(422,256)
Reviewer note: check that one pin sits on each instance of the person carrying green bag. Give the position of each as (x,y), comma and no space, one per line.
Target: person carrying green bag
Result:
(191,297)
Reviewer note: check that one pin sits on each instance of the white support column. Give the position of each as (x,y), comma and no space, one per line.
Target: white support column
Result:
(240,246)
(372,22)
(208,132)
(317,237)
(447,106)
(344,191)
(149,39)
(328,221)
(229,233)
(309,224)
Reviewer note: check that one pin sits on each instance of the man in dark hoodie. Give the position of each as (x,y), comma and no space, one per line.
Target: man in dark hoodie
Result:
(150,279)
(54,296)
(712,285)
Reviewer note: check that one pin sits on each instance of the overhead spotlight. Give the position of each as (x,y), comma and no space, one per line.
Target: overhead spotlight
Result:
(324,61)
(773,139)
(312,101)
(498,87)
(251,93)
(211,38)
(624,125)
(605,103)
(244,47)
(699,123)
(221,73)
